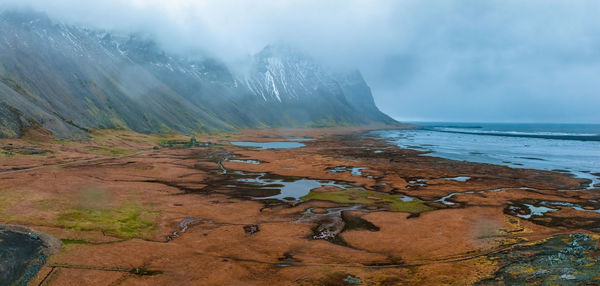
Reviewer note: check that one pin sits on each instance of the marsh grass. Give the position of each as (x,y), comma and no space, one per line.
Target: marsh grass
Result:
(92,209)
(365,197)
(127,221)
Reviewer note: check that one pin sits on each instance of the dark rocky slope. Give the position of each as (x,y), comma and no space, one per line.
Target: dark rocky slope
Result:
(69,79)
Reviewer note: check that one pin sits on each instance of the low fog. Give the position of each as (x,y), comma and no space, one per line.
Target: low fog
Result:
(508,61)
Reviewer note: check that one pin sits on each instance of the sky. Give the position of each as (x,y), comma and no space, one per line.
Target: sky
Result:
(438,60)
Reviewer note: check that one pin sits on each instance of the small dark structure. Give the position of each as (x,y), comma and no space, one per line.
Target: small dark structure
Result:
(180,144)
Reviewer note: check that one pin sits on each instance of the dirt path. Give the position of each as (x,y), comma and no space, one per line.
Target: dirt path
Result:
(72,163)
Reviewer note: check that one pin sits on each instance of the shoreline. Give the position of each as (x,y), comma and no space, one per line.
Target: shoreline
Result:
(591,182)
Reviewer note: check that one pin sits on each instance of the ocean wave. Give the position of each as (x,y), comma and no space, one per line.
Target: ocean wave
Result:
(542,135)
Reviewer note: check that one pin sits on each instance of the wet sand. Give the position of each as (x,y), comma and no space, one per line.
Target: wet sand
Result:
(131,214)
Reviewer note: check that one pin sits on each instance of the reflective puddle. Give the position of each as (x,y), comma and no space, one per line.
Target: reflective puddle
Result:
(457,179)
(535,211)
(289,188)
(355,171)
(255,162)
(420,182)
(269,145)
(573,206)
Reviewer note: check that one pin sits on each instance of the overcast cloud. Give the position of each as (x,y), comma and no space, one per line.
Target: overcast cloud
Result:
(467,60)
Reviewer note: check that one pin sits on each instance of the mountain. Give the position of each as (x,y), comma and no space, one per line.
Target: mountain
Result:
(69,79)
(306,92)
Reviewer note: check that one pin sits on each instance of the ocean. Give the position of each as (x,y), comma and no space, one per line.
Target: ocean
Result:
(572,148)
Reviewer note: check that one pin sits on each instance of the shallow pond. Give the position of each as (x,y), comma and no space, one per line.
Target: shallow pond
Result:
(571,205)
(254,162)
(535,211)
(289,188)
(406,199)
(423,182)
(458,179)
(355,171)
(530,209)
(269,145)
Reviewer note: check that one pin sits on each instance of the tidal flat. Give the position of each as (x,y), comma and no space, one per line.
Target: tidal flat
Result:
(341,209)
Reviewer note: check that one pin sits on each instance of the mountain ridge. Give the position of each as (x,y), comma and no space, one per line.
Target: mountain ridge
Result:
(68,79)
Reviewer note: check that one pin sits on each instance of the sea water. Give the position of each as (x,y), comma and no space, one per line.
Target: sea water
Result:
(572,148)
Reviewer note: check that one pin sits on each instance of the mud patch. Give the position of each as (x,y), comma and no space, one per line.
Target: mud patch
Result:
(328,228)
(251,229)
(289,258)
(340,279)
(355,222)
(332,222)
(144,272)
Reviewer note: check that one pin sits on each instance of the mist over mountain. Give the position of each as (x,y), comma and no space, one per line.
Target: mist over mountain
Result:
(71,78)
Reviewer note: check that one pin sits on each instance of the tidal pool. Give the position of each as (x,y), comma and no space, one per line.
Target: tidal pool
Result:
(295,188)
(254,162)
(571,205)
(355,171)
(540,208)
(406,199)
(458,179)
(535,211)
(269,145)
(423,182)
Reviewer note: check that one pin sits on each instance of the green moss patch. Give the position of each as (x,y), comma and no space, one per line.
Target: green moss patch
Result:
(117,151)
(124,222)
(365,197)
